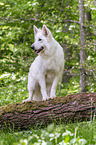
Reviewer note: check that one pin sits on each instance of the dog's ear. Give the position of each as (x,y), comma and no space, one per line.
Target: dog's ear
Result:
(35,30)
(46,31)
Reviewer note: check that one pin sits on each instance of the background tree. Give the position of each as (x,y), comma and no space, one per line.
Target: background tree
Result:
(82,49)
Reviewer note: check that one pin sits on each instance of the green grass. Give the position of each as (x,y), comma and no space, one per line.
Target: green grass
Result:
(70,134)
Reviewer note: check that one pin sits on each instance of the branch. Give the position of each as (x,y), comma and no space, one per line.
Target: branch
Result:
(76,22)
(33,19)
(87,70)
(91,72)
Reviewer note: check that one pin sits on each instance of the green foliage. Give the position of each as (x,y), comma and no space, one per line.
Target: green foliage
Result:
(74,134)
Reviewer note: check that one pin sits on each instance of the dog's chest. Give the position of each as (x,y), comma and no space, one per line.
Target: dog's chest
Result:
(51,65)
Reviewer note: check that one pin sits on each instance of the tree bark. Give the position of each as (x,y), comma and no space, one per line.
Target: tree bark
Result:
(82,51)
(88,19)
(71,108)
(0,50)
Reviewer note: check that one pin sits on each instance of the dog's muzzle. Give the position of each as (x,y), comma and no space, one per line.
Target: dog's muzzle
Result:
(37,51)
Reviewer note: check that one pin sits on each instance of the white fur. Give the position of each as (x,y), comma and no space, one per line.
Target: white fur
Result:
(47,69)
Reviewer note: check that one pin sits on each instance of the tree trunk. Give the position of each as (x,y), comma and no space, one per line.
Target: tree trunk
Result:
(0,50)
(82,51)
(88,19)
(76,107)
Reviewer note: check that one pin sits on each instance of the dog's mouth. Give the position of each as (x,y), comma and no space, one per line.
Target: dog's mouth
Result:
(39,50)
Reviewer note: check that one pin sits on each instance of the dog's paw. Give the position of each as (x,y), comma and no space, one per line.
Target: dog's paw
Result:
(45,98)
(52,97)
(26,100)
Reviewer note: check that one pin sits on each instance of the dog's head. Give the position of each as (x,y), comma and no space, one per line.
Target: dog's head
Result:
(42,42)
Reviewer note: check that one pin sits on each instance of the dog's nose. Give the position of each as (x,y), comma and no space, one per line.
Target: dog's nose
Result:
(32,46)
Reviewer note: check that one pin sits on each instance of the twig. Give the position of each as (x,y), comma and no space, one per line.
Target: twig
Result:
(30,19)
(91,72)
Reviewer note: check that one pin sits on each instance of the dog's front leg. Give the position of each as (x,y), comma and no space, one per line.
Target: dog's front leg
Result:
(30,97)
(31,87)
(54,87)
(42,84)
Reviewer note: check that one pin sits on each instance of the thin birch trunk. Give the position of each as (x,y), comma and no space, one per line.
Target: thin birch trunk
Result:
(82,51)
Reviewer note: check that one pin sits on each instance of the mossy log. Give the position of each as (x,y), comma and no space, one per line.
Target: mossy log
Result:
(75,107)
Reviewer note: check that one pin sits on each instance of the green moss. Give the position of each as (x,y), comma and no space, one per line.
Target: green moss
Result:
(34,105)
(7,109)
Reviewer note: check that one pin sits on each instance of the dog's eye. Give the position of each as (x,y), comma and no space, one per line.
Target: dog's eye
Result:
(40,39)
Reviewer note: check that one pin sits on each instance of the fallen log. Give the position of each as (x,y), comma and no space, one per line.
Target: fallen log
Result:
(74,107)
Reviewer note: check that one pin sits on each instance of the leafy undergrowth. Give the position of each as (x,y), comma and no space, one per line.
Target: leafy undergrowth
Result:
(13,77)
(72,134)
(14,88)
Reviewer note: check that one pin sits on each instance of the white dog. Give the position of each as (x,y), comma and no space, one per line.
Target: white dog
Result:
(47,69)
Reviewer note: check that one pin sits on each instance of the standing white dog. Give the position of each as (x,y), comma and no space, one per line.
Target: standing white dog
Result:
(47,69)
